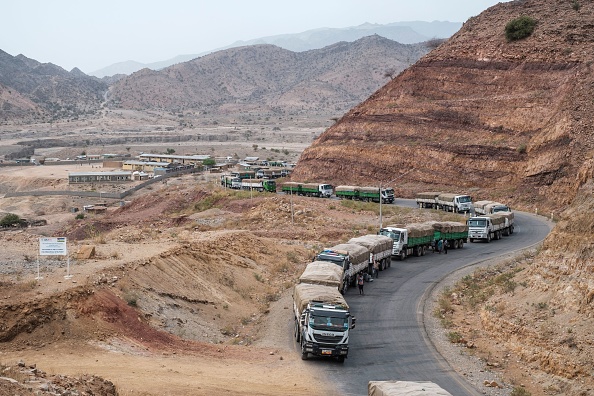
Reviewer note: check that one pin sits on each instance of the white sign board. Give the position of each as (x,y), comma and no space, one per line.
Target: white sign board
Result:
(53,246)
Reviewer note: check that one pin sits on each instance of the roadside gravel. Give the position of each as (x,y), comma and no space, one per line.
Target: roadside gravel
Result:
(460,358)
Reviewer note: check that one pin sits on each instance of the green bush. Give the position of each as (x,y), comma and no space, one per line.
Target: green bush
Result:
(10,220)
(519,28)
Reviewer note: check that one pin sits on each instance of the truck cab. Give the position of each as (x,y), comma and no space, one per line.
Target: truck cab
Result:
(463,204)
(387,195)
(480,227)
(324,330)
(399,236)
(326,190)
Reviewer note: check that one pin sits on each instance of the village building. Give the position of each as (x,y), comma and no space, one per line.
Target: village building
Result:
(99,177)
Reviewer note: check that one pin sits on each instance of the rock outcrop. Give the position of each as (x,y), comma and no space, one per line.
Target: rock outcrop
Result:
(503,120)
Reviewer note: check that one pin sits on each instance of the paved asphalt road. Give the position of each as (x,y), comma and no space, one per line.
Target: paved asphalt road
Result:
(389,341)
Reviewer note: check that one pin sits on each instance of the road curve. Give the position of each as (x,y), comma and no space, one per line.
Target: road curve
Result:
(389,342)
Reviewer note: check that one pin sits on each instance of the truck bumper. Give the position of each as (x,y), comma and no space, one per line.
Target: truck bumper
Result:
(326,350)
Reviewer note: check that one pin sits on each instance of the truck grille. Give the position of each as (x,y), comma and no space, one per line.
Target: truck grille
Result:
(323,339)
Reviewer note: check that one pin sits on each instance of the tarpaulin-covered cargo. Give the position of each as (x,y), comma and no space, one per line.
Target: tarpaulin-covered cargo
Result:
(374,243)
(304,293)
(449,226)
(418,230)
(428,195)
(357,253)
(322,273)
(405,388)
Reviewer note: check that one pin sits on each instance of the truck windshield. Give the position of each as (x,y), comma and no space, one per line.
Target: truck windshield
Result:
(501,208)
(477,222)
(332,258)
(326,187)
(331,323)
(464,199)
(395,235)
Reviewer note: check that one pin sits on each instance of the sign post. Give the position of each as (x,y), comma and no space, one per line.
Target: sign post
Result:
(54,247)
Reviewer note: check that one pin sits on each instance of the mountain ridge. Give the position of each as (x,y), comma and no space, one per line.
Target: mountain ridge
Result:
(403,32)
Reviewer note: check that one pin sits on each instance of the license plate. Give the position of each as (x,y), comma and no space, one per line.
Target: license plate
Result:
(326,352)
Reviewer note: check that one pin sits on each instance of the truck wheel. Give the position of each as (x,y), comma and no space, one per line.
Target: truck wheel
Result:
(303,353)
(461,243)
(340,359)
(402,255)
(471,240)
(297,333)
(488,237)
(511,230)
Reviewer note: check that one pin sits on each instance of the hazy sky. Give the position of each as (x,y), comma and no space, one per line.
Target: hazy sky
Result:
(93,34)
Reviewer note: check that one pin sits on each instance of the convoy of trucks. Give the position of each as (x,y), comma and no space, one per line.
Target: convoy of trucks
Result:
(307,189)
(458,203)
(419,238)
(372,194)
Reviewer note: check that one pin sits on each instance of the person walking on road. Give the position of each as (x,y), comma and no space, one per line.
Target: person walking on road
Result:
(439,246)
(360,282)
(445,246)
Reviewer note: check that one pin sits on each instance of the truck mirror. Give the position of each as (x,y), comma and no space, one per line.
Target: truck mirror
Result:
(353,320)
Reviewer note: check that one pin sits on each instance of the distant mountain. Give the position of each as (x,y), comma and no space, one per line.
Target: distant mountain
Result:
(402,32)
(270,78)
(35,90)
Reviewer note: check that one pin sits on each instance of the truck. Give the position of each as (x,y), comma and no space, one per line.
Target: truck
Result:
(229,181)
(413,239)
(272,173)
(454,203)
(490,226)
(427,199)
(322,321)
(259,185)
(308,189)
(405,388)
(489,207)
(369,194)
(350,257)
(245,174)
(455,233)
(380,250)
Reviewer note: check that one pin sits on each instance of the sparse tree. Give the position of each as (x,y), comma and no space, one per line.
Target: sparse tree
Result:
(170,151)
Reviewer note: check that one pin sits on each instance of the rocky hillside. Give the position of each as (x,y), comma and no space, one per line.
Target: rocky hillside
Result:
(31,90)
(269,78)
(510,120)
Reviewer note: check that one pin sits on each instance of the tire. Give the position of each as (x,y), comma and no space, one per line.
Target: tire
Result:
(511,230)
(471,240)
(402,255)
(303,353)
(461,244)
(488,237)
(340,359)
(455,244)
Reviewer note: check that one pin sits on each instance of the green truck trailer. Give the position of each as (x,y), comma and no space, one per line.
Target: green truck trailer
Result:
(369,194)
(456,234)
(307,189)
